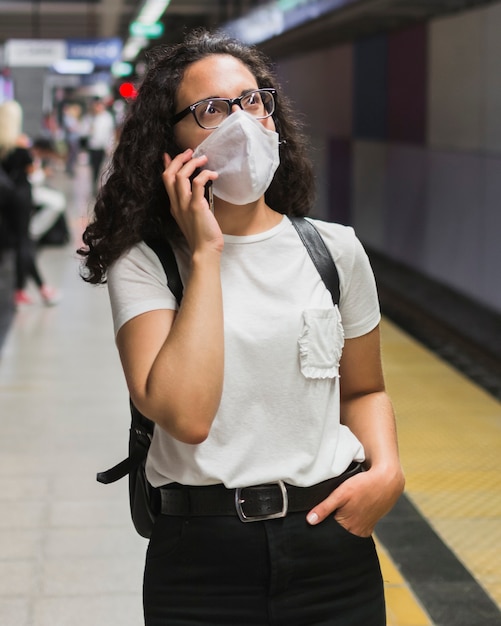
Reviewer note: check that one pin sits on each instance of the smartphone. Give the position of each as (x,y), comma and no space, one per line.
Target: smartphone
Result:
(209,193)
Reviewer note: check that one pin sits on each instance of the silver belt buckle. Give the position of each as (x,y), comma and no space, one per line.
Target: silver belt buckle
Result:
(259,518)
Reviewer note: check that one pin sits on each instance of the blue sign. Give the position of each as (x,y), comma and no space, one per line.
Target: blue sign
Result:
(102,52)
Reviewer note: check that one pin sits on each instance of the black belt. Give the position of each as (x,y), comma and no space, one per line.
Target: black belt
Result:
(259,502)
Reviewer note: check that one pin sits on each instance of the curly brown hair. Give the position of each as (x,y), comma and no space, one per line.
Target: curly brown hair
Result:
(133,203)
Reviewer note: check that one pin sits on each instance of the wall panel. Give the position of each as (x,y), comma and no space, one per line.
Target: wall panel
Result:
(369,191)
(338,91)
(455,87)
(405,215)
(321,86)
(339,180)
(453,239)
(370,88)
(303,79)
(320,160)
(490,270)
(492,72)
(407,84)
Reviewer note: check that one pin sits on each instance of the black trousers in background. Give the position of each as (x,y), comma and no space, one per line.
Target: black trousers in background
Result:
(219,571)
(96,160)
(26,265)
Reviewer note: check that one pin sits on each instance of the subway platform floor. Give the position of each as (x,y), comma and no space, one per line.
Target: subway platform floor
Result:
(68,552)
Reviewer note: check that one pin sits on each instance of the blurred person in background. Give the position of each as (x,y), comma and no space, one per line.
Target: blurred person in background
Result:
(49,203)
(100,139)
(72,114)
(9,238)
(17,162)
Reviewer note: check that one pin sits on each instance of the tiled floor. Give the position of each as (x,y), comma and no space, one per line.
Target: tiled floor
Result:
(402,606)
(450,442)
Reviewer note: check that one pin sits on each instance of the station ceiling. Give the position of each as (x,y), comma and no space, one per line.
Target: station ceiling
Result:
(95,19)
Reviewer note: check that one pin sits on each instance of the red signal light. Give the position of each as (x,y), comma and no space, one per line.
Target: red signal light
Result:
(127,90)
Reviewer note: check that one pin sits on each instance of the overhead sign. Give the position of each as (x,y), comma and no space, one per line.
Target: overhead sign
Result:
(102,52)
(150,31)
(46,52)
(34,52)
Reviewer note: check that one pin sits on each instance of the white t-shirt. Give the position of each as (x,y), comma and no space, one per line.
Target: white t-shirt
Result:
(279,412)
(101,131)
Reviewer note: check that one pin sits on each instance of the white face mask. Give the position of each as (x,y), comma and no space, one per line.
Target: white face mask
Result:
(244,154)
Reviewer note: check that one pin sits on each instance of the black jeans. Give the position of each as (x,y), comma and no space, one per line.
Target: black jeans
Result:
(96,160)
(220,571)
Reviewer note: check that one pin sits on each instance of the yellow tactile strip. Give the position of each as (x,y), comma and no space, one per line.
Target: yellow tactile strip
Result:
(402,607)
(450,444)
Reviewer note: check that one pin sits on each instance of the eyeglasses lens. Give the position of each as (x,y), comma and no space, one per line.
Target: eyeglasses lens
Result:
(260,104)
(212,113)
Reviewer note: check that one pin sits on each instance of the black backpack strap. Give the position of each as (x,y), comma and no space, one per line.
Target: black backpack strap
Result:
(165,253)
(139,443)
(319,254)
(142,427)
(137,454)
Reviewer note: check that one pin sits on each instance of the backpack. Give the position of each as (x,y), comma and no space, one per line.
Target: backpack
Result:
(144,499)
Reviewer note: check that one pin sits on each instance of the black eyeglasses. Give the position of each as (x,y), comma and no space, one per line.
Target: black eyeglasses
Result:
(211,112)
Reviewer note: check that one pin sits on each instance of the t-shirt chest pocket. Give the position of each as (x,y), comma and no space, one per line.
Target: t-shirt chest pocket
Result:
(321,342)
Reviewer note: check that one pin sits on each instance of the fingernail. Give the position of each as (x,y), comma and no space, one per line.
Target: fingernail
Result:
(312,518)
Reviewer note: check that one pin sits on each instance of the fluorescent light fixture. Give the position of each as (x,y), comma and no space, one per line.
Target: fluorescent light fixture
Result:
(133,47)
(152,11)
(73,66)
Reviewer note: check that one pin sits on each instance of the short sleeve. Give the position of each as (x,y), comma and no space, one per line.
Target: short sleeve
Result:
(137,284)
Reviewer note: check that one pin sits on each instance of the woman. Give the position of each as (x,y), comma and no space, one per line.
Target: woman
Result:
(17,161)
(245,382)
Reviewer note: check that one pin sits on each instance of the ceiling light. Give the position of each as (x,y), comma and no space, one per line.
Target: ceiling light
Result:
(133,47)
(152,11)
